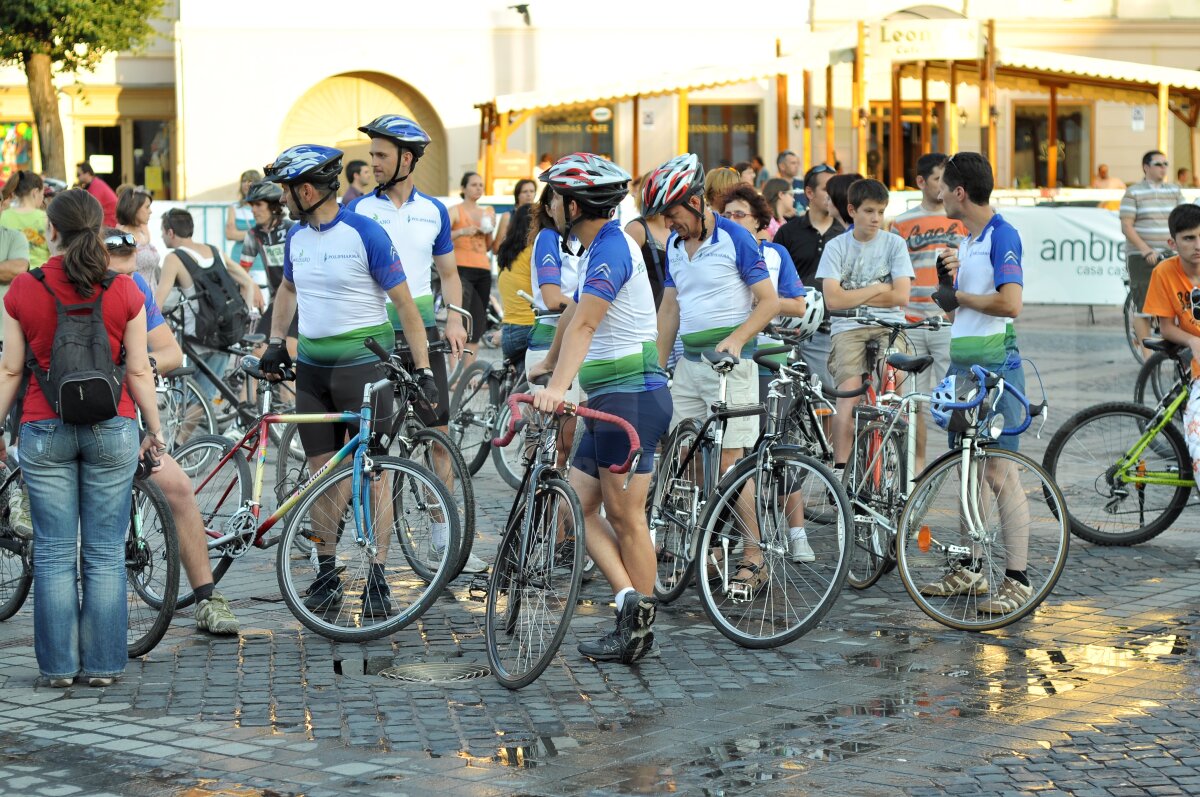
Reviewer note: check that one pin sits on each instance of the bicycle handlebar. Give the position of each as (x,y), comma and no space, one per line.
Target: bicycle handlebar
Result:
(250,364)
(770,351)
(988,380)
(566,408)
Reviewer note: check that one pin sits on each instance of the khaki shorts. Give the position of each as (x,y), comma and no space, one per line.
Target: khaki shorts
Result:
(532,358)
(937,343)
(848,353)
(1139,278)
(694,387)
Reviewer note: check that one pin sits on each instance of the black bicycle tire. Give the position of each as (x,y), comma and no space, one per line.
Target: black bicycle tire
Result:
(878,565)
(18,592)
(654,498)
(1151,374)
(165,607)
(1174,507)
(479,454)
(1053,497)
(732,483)
(394,623)
(466,539)
(503,565)
(1131,340)
(221,565)
(510,476)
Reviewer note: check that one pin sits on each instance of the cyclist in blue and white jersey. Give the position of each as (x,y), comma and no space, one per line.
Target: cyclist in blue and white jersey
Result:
(606,340)
(338,270)
(419,228)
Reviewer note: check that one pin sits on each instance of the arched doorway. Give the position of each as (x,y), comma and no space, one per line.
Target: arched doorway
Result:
(330,112)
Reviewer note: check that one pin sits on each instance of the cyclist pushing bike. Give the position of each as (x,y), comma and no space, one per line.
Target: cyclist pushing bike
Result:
(981,283)
(338,270)
(607,340)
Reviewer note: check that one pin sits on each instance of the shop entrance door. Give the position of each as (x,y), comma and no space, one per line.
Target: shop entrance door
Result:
(102,149)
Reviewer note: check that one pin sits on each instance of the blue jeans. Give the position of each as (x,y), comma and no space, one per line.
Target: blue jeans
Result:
(514,340)
(1012,410)
(219,362)
(79,478)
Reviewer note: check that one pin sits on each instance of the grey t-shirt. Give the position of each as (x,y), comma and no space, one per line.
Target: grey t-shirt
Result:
(13,246)
(857,264)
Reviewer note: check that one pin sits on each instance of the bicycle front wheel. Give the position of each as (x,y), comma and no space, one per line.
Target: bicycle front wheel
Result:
(965,525)
(433,450)
(151,567)
(534,585)
(472,410)
(1104,507)
(185,412)
(676,501)
(355,583)
(16,555)
(753,524)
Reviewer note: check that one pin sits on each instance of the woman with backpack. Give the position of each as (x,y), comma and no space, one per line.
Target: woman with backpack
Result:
(79,437)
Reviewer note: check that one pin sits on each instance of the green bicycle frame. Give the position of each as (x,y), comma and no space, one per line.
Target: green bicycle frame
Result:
(1126,470)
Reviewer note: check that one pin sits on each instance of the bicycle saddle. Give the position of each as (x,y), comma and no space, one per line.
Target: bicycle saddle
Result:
(720,360)
(914,364)
(1160,344)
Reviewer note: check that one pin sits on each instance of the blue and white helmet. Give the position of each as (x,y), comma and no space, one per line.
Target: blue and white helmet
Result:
(404,131)
(948,392)
(307,163)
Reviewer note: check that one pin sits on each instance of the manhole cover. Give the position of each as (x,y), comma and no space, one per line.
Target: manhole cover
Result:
(435,673)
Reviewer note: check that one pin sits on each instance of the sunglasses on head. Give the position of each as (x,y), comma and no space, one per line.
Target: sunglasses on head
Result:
(119,241)
(1195,301)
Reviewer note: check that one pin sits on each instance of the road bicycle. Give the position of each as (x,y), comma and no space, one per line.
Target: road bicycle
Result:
(535,581)
(1129,311)
(479,412)
(151,562)
(338,571)
(1124,467)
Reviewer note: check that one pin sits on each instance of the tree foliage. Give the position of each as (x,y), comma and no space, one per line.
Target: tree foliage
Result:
(75,34)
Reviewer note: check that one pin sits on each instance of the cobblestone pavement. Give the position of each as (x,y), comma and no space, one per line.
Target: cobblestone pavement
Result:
(1096,694)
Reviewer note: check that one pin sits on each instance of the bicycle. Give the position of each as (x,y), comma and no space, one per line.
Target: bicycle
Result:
(478,409)
(977,509)
(332,538)
(882,461)
(758,509)
(1129,311)
(151,562)
(539,565)
(1159,372)
(1125,467)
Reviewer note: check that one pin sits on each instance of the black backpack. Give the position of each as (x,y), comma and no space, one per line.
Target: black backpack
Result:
(83,384)
(221,312)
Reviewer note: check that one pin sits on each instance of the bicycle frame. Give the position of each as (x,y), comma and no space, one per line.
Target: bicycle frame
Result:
(1130,470)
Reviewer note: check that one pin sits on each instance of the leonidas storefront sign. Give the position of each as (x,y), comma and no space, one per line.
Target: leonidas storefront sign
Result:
(928,39)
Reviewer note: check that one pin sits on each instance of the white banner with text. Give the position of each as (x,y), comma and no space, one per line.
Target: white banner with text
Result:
(1072,255)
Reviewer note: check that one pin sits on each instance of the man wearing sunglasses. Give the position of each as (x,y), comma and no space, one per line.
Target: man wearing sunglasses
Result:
(1144,211)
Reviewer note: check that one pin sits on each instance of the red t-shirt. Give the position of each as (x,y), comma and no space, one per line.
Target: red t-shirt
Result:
(107,199)
(33,307)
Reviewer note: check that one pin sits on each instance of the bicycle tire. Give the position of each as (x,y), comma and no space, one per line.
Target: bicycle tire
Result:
(933,543)
(151,567)
(1084,450)
(472,410)
(796,594)
(220,494)
(184,398)
(346,619)
(674,505)
(16,559)
(419,449)
(509,460)
(1155,379)
(1128,312)
(520,585)
(872,549)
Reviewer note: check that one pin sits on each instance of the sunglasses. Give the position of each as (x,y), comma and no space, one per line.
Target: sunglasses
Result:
(1195,300)
(119,241)
(1159,163)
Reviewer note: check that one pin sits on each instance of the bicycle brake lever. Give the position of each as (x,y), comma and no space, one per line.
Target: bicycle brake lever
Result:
(632,469)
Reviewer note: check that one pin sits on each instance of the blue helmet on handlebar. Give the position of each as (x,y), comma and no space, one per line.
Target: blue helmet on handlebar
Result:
(952,390)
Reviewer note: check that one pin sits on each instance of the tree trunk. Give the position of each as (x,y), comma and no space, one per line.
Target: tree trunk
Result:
(44,99)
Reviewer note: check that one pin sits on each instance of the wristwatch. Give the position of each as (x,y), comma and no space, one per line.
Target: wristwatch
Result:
(275,341)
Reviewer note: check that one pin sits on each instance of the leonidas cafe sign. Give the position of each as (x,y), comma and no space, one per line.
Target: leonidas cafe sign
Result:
(928,39)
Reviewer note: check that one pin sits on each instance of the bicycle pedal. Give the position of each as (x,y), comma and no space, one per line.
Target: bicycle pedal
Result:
(478,588)
(740,593)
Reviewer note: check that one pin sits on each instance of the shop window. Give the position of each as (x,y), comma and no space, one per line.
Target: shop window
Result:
(722,135)
(582,130)
(1031,133)
(102,149)
(16,148)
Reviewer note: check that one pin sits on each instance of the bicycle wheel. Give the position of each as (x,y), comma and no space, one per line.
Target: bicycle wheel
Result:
(151,567)
(16,555)
(509,460)
(676,501)
(750,519)
(472,410)
(874,476)
(350,590)
(221,492)
(185,412)
(1128,312)
(1013,518)
(433,450)
(1155,379)
(1103,507)
(534,585)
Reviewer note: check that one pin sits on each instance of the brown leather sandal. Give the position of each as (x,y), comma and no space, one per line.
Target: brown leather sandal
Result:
(742,588)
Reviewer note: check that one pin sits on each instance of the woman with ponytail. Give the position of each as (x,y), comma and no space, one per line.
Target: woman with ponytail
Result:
(79,477)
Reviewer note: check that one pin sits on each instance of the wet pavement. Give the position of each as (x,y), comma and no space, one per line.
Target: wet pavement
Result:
(1095,694)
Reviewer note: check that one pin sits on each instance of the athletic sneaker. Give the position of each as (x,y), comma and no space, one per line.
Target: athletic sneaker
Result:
(18,512)
(214,616)
(325,593)
(1011,596)
(474,563)
(802,551)
(613,646)
(637,616)
(61,683)
(101,680)
(959,581)
(376,597)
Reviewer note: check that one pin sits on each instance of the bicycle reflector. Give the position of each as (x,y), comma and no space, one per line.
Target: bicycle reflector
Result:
(924,538)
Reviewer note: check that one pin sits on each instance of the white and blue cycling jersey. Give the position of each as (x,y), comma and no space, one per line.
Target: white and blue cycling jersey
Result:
(551,266)
(341,271)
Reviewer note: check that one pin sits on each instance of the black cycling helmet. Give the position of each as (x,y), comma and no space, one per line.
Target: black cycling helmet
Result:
(264,191)
(405,134)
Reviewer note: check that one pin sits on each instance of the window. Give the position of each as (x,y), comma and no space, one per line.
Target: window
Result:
(722,135)
(1031,132)
(582,130)
(152,157)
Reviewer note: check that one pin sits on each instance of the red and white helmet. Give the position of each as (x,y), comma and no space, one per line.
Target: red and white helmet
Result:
(672,184)
(589,179)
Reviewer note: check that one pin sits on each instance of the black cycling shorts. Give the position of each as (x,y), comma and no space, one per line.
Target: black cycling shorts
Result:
(337,389)
(437,364)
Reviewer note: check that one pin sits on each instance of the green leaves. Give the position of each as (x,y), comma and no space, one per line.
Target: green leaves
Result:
(74,33)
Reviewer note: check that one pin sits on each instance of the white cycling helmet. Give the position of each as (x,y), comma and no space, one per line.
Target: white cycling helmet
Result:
(951,391)
(805,326)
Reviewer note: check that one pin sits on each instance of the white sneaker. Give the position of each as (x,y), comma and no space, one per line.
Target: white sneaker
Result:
(475,565)
(802,551)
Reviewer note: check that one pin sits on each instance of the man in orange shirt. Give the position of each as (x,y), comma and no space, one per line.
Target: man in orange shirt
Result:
(1174,296)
